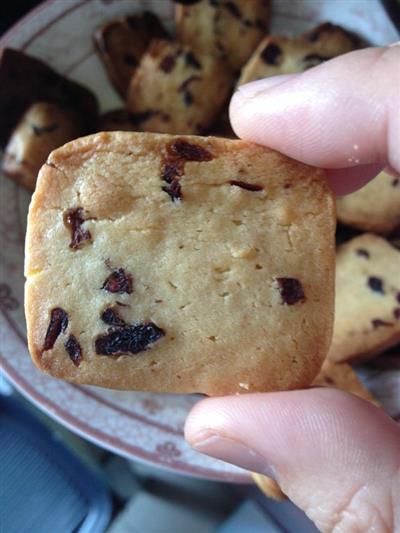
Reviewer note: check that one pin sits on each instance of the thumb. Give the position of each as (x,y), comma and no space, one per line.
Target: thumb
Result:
(334,455)
(342,115)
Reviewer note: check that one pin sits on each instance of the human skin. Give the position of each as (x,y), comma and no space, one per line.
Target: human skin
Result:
(334,455)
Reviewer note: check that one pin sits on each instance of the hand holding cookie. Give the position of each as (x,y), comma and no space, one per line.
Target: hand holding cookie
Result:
(334,455)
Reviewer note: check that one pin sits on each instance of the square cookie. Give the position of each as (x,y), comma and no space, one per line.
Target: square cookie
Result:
(367,307)
(179,264)
(375,207)
(176,90)
(278,55)
(121,43)
(230,30)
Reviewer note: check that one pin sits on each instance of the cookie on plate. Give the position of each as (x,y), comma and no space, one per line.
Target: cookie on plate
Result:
(375,207)
(121,44)
(44,127)
(177,90)
(25,80)
(340,376)
(277,55)
(230,30)
(367,308)
(179,264)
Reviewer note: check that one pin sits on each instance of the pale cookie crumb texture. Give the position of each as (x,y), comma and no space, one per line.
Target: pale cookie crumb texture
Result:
(179,264)
(226,29)
(177,90)
(277,55)
(367,307)
(375,207)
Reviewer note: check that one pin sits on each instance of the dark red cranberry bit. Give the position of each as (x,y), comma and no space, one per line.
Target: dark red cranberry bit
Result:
(187,98)
(271,54)
(58,324)
(396,313)
(396,182)
(130,60)
(375,284)
(129,339)
(185,84)
(167,64)
(172,169)
(291,290)
(192,61)
(247,186)
(362,253)
(119,282)
(233,9)
(74,219)
(377,323)
(40,130)
(174,190)
(329,380)
(74,350)
(111,317)
(189,151)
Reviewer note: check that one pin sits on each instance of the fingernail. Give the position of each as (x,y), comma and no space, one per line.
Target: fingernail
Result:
(234,452)
(252,89)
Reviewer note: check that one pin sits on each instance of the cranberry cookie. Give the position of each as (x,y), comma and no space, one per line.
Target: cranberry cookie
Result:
(179,264)
(175,90)
(375,207)
(367,309)
(121,44)
(277,55)
(230,30)
(25,80)
(44,127)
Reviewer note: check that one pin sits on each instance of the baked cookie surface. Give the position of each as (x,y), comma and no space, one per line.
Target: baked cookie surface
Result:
(230,30)
(177,90)
(375,207)
(42,128)
(367,307)
(121,43)
(277,55)
(179,264)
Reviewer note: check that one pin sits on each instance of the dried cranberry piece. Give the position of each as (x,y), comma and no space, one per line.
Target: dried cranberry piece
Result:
(189,151)
(74,350)
(174,190)
(376,284)
(396,313)
(247,186)
(74,219)
(271,53)
(233,9)
(291,290)
(395,182)
(111,317)
(377,323)
(167,63)
(362,253)
(119,282)
(172,170)
(128,339)
(58,324)
(192,61)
